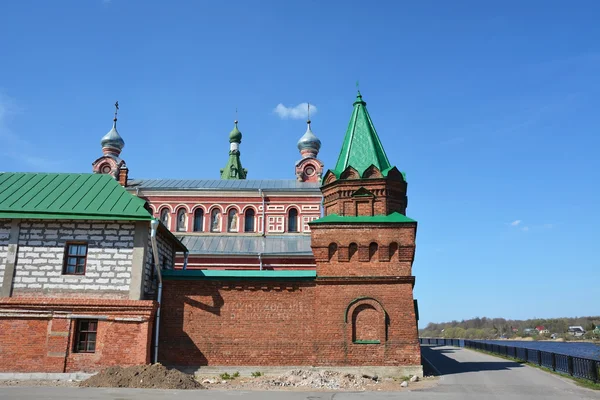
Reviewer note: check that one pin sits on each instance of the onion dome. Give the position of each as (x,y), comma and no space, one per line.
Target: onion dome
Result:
(309,144)
(235,136)
(112,139)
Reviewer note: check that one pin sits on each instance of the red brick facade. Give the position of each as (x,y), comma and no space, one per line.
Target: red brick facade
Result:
(38,335)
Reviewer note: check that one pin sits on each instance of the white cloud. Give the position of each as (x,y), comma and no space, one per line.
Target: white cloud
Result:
(516,222)
(525,228)
(296,112)
(14,147)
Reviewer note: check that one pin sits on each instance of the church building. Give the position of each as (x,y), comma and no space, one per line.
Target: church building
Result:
(311,271)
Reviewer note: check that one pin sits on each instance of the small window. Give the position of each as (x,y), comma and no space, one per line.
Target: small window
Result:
(249,220)
(232,221)
(85,335)
(293,220)
(199,220)
(181,220)
(393,251)
(164,216)
(373,248)
(352,250)
(333,248)
(75,258)
(215,221)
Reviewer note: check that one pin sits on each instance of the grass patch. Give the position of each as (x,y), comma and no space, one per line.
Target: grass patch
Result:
(226,377)
(579,381)
(256,374)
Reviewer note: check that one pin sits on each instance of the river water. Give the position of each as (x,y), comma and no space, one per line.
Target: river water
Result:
(584,350)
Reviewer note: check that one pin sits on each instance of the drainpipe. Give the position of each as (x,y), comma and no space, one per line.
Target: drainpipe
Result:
(154,225)
(185,259)
(264,222)
(260,261)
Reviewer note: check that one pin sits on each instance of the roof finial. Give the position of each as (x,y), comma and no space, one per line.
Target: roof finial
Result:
(236,116)
(116,110)
(357,87)
(308,112)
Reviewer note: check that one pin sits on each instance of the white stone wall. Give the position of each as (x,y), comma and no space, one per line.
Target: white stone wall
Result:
(40,259)
(167,260)
(4,234)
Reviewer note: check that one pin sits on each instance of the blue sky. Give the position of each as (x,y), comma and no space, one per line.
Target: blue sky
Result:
(491,109)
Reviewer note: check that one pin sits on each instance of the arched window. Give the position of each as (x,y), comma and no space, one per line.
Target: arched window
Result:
(293,220)
(198,220)
(373,247)
(332,250)
(181,220)
(249,220)
(164,216)
(352,250)
(393,250)
(232,220)
(215,221)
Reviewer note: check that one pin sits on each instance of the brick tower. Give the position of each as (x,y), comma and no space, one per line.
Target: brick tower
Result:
(364,248)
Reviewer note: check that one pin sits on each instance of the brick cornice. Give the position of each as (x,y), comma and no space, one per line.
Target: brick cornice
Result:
(336,280)
(60,304)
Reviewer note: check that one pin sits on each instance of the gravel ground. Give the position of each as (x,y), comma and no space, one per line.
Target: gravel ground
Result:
(294,380)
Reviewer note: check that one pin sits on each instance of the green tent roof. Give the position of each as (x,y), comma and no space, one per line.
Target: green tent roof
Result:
(394,217)
(362,147)
(68,196)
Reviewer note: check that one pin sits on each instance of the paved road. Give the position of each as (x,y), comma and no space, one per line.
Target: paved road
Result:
(474,375)
(465,375)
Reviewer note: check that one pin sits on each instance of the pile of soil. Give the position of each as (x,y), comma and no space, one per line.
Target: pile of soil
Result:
(154,376)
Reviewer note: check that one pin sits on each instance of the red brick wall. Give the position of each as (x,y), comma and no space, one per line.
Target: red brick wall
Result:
(39,335)
(283,323)
(237,323)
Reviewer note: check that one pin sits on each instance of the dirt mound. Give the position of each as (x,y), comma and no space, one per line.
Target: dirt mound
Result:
(154,376)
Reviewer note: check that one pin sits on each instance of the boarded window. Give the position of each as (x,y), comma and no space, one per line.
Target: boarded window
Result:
(366,324)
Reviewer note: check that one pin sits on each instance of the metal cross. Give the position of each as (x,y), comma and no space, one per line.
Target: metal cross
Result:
(116,108)
(308,110)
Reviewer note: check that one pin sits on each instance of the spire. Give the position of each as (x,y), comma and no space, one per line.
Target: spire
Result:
(112,142)
(362,147)
(309,145)
(233,169)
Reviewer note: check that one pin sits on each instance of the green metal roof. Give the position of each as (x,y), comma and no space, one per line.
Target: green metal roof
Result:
(67,196)
(362,147)
(394,217)
(188,274)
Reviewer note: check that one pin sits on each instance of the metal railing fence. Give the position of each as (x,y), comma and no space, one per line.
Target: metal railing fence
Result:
(579,367)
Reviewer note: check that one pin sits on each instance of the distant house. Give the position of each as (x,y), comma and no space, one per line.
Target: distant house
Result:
(542,330)
(528,331)
(576,331)
(515,330)
(597,330)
